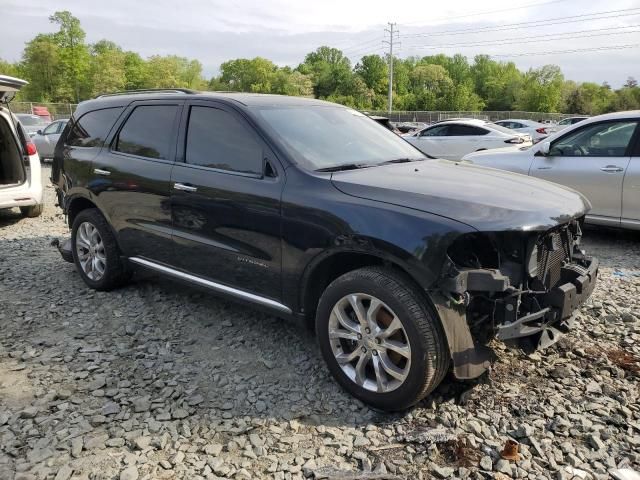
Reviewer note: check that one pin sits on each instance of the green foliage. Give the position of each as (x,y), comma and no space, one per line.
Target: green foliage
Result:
(62,67)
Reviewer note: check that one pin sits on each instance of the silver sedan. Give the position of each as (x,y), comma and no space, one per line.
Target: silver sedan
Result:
(47,138)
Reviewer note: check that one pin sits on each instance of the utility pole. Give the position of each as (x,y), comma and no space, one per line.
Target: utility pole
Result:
(392,31)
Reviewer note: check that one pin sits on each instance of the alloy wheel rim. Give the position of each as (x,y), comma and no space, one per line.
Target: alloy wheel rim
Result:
(90,250)
(369,343)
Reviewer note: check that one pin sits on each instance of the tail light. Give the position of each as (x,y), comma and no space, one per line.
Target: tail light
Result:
(31,149)
(543,131)
(515,140)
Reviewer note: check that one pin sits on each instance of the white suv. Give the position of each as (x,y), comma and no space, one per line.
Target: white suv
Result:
(20,172)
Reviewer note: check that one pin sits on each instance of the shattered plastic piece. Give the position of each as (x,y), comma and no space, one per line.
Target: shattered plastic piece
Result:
(510,451)
(429,436)
(576,472)
(624,474)
(332,473)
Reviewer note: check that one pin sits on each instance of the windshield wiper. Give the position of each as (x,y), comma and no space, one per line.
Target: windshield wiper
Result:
(400,160)
(346,166)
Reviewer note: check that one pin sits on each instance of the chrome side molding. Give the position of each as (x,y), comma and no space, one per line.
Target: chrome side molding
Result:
(212,285)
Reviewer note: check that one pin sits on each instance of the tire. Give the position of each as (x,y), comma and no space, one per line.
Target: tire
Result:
(114,272)
(424,365)
(32,211)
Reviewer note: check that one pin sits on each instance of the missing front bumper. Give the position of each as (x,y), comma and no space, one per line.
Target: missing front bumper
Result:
(559,305)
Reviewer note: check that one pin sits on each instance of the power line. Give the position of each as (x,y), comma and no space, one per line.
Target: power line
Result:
(488,12)
(558,52)
(560,36)
(534,23)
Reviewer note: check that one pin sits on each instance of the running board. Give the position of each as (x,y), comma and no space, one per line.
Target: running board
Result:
(250,297)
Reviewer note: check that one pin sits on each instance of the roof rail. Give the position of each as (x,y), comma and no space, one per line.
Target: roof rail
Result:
(148,90)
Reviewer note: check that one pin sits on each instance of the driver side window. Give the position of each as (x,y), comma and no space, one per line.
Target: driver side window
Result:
(53,128)
(607,139)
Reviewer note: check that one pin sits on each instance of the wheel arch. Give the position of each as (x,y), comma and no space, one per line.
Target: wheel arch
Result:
(325,268)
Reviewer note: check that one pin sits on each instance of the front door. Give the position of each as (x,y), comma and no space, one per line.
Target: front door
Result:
(49,139)
(592,160)
(225,202)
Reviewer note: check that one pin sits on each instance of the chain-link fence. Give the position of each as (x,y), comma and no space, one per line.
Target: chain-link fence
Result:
(435,116)
(64,110)
(56,110)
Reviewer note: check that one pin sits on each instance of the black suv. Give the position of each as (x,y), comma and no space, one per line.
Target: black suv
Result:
(405,266)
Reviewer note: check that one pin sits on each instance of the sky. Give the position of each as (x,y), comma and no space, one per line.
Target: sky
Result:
(283,31)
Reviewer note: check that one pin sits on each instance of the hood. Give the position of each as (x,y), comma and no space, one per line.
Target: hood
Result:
(9,86)
(483,198)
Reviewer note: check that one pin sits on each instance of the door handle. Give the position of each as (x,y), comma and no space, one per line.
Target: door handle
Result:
(544,168)
(185,188)
(99,171)
(612,169)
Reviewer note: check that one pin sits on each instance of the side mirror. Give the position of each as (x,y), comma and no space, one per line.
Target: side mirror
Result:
(39,132)
(544,148)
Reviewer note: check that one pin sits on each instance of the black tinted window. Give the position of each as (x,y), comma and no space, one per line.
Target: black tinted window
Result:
(148,131)
(465,130)
(91,129)
(439,131)
(217,139)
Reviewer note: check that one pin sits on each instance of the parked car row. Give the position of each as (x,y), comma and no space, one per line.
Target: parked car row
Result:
(453,139)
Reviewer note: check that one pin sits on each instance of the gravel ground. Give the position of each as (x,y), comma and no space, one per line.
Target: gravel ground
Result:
(159,381)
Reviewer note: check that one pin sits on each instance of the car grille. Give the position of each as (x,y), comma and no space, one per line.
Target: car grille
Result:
(553,249)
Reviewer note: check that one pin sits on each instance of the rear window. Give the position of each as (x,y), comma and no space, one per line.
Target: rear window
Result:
(91,129)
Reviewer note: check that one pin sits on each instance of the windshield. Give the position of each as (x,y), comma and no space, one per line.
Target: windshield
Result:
(31,120)
(320,137)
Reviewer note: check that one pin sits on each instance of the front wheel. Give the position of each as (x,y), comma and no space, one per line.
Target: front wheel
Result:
(380,338)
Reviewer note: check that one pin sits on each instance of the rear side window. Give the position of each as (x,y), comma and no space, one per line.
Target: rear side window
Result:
(148,132)
(465,130)
(217,139)
(439,131)
(91,129)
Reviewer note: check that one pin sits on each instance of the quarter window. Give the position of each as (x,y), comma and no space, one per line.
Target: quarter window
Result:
(148,132)
(91,129)
(608,139)
(217,139)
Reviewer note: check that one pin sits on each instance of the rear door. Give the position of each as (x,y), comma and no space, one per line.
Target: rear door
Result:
(225,201)
(462,139)
(131,177)
(593,160)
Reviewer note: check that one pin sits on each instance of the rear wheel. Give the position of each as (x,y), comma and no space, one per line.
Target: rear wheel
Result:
(32,211)
(380,338)
(96,253)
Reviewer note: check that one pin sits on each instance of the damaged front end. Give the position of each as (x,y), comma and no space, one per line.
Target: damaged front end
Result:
(517,286)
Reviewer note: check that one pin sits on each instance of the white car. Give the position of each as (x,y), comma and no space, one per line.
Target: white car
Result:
(453,139)
(20,172)
(599,157)
(537,130)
